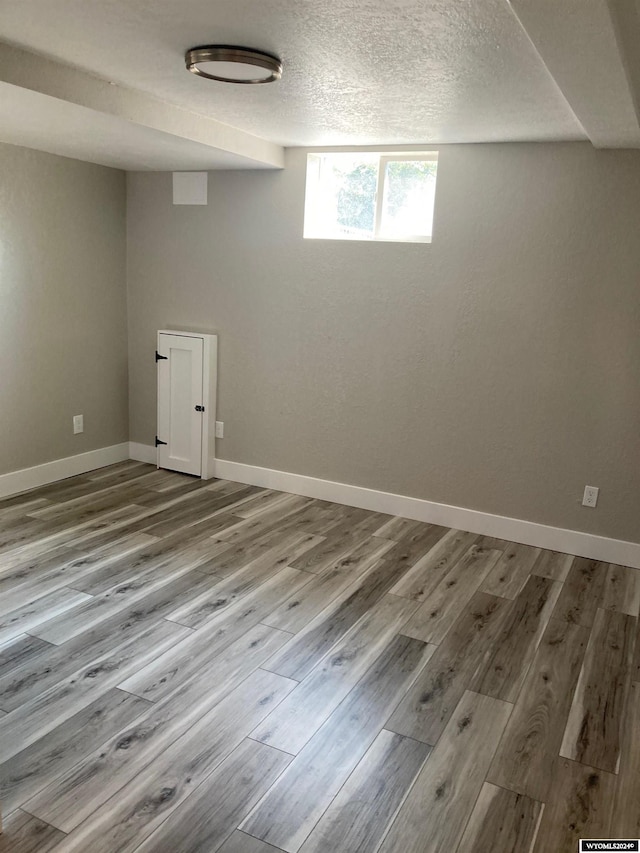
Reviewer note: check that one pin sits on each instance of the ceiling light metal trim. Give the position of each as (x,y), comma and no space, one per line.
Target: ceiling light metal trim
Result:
(233,53)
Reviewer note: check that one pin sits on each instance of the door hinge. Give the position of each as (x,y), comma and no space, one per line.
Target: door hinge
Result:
(161,357)
(159,442)
(199,408)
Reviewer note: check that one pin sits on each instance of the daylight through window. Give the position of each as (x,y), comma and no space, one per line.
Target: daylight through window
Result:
(369,196)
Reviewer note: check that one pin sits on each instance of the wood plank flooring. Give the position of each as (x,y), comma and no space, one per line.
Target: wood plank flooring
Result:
(191,667)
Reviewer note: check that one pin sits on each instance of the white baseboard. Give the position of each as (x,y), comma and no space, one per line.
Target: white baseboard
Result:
(502,527)
(143,452)
(60,469)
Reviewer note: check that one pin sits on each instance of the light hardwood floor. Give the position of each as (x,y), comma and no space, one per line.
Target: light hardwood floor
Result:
(204,666)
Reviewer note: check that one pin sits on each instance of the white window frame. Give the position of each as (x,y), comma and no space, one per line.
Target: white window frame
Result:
(384,158)
(428,157)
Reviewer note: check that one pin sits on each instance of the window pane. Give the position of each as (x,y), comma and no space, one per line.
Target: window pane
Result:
(349,198)
(408,199)
(341,192)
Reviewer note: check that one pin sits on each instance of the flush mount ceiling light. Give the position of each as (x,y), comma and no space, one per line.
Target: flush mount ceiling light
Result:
(230,64)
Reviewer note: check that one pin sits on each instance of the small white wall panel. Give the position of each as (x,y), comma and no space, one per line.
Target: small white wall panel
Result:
(180,394)
(190,187)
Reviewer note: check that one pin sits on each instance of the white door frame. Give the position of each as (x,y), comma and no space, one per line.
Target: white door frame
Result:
(209,393)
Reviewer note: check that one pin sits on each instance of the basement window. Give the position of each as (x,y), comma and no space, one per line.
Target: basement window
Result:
(371,196)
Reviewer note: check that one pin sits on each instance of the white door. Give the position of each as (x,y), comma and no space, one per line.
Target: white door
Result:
(180,375)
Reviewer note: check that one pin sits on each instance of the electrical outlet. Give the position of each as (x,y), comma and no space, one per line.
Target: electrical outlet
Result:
(78,424)
(590,497)
(219,429)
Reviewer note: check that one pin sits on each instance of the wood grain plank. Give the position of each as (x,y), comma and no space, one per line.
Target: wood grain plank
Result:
(23,833)
(449,783)
(439,611)
(48,664)
(173,668)
(416,544)
(32,580)
(75,795)
(221,595)
(38,717)
(119,471)
(307,648)
(139,476)
(207,818)
(361,813)
(122,823)
(263,502)
(35,552)
(352,532)
(185,490)
(594,728)
(325,518)
(21,532)
(298,610)
(122,596)
(204,506)
(397,529)
(501,822)
(228,558)
(19,518)
(18,652)
(262,522)
(526,756)
(301,714)
(22,498)
(155,554)
(28,574)
(292,807)
(78,488)
(207,526)
(147,511)
(622,590)
(30,617)
(159,480)
(240,842)
(107,527)
(510,573)
(425,574)
(579,805)
(88,506)
(425,710)
(234,555)
(75,753)
(553,565)
(504,670)
(31,770)
(582,592)
(626,814)
(22,505)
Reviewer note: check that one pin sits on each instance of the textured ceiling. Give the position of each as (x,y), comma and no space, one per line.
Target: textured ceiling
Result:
(355,71)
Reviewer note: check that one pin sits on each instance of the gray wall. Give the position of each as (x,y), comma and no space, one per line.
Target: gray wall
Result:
(497,369)
(63,346)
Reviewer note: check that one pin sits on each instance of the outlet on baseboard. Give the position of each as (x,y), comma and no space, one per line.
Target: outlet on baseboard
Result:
(78,424)
(219,429)
(590,497)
